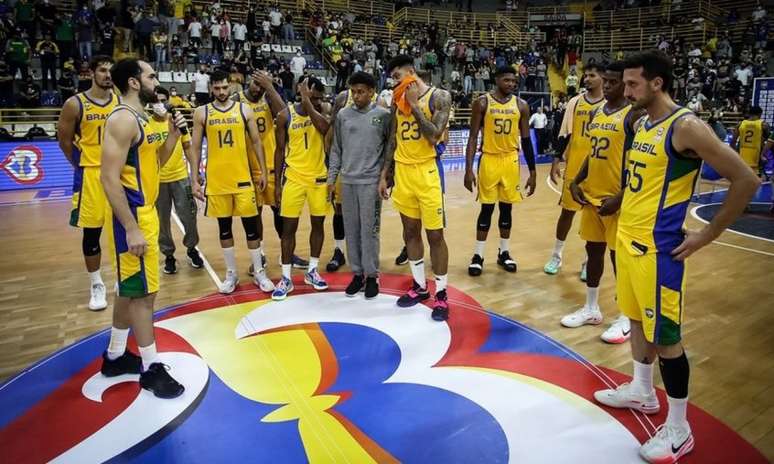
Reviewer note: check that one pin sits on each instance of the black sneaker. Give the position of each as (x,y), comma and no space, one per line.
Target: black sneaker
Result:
(402,257)
(336,261)
(127,363)
(355,286)
(476,266)
(371,288)
(440,307)
(299,263)
(194,259)
(160,383)
(415,295)
(505,261)
(170,265)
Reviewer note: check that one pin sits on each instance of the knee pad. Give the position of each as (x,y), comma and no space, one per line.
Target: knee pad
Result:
(505,216)
(90,243)
(224,228)
(338,227)
(485,217)
(251,228)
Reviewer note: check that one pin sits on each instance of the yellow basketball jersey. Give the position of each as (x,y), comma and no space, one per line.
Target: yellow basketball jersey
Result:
(659,187)
(305,156)
(580,144)
(501,126)
(265,122)
(750,141)
(175,168)
(412,147)
(87,146)
(228,170)
(140,174)
(608,133)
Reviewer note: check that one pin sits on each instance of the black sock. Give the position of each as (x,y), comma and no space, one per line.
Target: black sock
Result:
(675,373)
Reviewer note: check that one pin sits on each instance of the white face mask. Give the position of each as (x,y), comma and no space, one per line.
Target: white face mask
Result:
(159,109)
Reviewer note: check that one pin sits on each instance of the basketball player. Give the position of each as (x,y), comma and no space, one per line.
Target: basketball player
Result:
(301,129)
(504,118)
(749,137)
(421,113)
(598,187)
(575,146)
(80,132)
(668,147)
(266,103)
(229,191)
(133,149)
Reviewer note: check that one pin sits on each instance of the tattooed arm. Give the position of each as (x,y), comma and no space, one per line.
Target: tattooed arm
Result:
(433,128)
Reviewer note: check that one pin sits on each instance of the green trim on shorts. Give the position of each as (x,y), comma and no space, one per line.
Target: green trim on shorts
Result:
(132,287)
(669,332)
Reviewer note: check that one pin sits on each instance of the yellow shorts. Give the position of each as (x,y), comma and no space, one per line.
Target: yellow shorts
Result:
(499,179)
(266,198)
(137,277)
(566,200)
(89,201)
(418,192)
(240,204)
(651,289)
(597,228)
(295,194)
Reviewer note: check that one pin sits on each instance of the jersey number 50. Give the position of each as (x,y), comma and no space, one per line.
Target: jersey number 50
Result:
(503,126)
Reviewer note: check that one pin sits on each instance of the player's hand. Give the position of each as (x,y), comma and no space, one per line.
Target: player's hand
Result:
(178,122)
(556,173)
(331,192)
(305,90)
(263,79)
(577,194)
(470,180)
(610,205)
(197,190)
(384,189)
(531,183)
(261,182)
(693,242)
(412,94)
(136,242)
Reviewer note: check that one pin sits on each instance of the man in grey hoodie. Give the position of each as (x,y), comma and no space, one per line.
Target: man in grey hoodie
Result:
(357,155)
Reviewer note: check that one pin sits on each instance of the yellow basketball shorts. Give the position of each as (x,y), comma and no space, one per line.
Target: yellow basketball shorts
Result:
(499,179)
(597,228)
(89,200)
(418,192)
(265,198)
(651,289)
(137,276)
(240,204)
(566,200)
(750,157)
(295,194)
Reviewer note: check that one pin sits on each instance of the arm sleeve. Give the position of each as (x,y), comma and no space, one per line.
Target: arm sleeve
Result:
(529,152)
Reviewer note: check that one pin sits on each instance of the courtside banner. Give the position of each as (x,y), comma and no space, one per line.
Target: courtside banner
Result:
(33,165)
(763,96)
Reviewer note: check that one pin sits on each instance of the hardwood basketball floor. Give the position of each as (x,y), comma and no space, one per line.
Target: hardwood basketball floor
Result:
(727,329)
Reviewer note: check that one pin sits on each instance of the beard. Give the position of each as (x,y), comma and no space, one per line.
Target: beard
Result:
(147,95)
(643,102)
(221,98)
(105,84)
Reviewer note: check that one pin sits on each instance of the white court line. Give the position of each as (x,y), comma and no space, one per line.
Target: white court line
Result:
(207,266)
(551,185)
(755,237)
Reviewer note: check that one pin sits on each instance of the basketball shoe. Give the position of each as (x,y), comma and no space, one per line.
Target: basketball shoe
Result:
(440,307)
(355,285)
(283,288)
(229,283)
(476,266)
(618,332)
(170,265)
(669,444)
(402,257)
(337,260)
(159,382)
(314,279)
(505,261)
(625,396)
(553,265)
(263,282)
(585,315)
(194,258)
(127,363)
(98,300)
(414,295)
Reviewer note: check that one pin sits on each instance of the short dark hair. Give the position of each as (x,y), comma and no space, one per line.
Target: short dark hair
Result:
(756,111)
(218,75)
(398,62)
(502,70)
(594,66)
(97,60)
(654,64)
(162,91)
(124,70)
(316,84)
(616,67)
(364,78)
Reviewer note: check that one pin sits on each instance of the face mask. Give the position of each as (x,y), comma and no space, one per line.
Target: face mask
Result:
(173,93)
(159,109)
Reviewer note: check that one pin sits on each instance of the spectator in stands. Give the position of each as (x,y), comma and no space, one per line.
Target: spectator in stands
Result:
(695,105)
(84,77)
(201,82)
(30,94)
(84,21)
(159,41)
(288,31)
(759,13)
(236,80)
(288,80)
(177,101)
(107,39)
(297,66)
(539,121)
(239,33)
(572,82)
(49,54)
(24,14)
(47,14)
(18,54)
(6,86)
(195,32)
(275,19)
(143,29)
(744,74)
(66,85)
(541,80)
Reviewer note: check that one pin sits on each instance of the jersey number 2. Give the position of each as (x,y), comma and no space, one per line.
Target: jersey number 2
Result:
(225,138)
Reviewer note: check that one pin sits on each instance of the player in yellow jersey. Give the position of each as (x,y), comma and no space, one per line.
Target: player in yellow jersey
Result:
(80,131)
(133,150)
(749,138)
(598,186)
(574,145)
(420,115)
(300,153)
(668,147)
(229,127)
(503,118)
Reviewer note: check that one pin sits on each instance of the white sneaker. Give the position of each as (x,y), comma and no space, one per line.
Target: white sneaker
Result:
(585,315)
(668,445)
(263,282)
(98,300)
(229,283)
(619,331)
(625,397)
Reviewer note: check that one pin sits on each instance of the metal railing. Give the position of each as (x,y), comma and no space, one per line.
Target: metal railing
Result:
(640,38)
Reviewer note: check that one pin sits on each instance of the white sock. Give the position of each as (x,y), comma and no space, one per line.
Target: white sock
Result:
(504,244)
(643,377)
(230,257)
(558,248)
(117,344)
(95,277)
(418,272)
(286,270)
(479,250)
(256,255)
(592,297)
(313,262)
(676,416)
(148,355)
(440,282)
(340,244)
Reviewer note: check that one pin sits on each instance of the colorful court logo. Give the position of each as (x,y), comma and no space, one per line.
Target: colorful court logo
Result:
(23,164)
(325,378)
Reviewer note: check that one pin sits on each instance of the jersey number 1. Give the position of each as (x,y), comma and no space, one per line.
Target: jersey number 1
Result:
(225,138)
